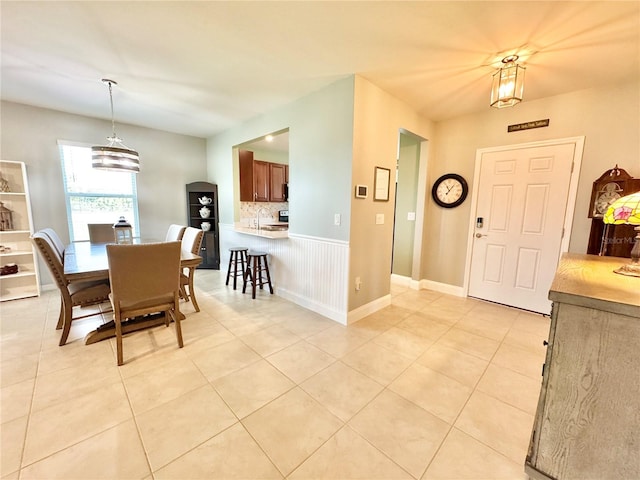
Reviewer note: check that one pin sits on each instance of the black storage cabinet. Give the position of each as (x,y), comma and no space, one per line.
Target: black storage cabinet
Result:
(210,249)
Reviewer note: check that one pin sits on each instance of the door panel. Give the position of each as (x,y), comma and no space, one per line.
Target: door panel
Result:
(522,195)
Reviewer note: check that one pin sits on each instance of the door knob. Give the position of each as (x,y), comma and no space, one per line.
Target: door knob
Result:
(480,235)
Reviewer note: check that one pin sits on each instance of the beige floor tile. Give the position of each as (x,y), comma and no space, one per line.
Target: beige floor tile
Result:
(373,325)
(513,388)
(348,456)
(290,428)
(406,433)
(497,424)
(453,304)
(300,361)
(401,340)
(231,455)
(270,340)
(12,436)
(338,340)
(224,359)
(180,425)
(525,362)
(18,369)
(15,400)
(494,327)
(527,340)
(463,367)
(152,360)
(532,323)
(392,314)
(208,334)
(436,393)
(252,387)
(425,325)
(414,300)
(461,457)
(76,354)
(116,453)
(305,323)
(78,418)
(342,390)
(169,381)
(471,343)
(81,379)
(378,363)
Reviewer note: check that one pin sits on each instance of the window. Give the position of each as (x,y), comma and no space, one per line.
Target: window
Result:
(93,195)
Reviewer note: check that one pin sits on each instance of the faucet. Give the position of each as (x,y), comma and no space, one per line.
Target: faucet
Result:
(258,217)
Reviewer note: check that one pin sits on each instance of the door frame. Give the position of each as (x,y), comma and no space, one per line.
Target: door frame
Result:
(578,143)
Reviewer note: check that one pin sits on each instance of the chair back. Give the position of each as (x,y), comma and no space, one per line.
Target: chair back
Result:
(101,233)
(52,258)
(175,233)
(192,240)
(143,273)
(55,240)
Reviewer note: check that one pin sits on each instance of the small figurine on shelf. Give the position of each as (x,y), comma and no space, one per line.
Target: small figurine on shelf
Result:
(205,200)
(9,269)
(6,218)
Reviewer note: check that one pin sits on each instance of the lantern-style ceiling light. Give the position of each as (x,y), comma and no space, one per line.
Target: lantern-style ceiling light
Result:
(115,156)
(508,83)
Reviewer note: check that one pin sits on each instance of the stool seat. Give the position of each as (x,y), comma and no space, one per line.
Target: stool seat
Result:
(237,264)
(257,264)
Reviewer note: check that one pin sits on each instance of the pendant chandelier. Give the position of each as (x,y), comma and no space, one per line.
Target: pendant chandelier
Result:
(115,156)
(508,83)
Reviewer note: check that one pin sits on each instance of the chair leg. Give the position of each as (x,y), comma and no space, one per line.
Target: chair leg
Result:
(66,323)
(266,268)
(176,320)
(191,294)
(61,315)
(118,324)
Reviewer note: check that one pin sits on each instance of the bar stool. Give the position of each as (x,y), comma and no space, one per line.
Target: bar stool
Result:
(256,265)
(237,264)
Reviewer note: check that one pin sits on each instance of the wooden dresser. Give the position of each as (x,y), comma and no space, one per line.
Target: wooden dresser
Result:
(587,425)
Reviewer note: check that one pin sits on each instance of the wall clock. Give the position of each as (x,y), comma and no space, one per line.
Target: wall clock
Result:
(450,190)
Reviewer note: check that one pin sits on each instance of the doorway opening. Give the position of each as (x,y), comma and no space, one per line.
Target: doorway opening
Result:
(411,166)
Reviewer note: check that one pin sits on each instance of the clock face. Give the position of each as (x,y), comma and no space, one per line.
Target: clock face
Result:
(449,190)
(605,197)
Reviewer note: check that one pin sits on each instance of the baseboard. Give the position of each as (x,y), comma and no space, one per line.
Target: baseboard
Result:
(368,309)
(334,315)
(405,281)
(442,288)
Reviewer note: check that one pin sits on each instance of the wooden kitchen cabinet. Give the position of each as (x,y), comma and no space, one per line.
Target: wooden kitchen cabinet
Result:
(261,181)
(277,179)
(588,419)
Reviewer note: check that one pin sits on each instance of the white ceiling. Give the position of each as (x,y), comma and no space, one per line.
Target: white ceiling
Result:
(201,67)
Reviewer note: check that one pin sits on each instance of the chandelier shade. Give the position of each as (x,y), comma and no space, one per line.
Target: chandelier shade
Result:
(116,156)
(507,87)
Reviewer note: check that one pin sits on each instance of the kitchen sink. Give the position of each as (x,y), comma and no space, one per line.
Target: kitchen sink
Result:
(274,228)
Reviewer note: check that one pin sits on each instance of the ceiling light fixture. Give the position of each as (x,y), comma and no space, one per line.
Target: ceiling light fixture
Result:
(508,83)
(115,156)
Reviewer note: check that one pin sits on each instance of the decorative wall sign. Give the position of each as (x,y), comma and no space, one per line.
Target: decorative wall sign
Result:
(381,185)
(528,125)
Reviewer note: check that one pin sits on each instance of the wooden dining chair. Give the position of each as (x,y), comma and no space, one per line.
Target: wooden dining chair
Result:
(191,242)
(175,233)
(101,232)
(145,279)
(55,240)
(71,294)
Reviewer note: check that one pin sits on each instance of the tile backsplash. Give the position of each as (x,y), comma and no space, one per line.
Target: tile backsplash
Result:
(269,213)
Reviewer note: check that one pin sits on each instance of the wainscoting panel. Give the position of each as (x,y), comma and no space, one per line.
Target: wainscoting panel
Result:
(309,271)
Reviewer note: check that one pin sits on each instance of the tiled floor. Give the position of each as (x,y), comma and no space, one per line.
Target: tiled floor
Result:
(432,387)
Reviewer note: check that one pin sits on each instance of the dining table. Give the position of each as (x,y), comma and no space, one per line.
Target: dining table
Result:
(86,261)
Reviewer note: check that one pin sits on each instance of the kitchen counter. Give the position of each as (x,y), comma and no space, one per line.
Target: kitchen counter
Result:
(274,234)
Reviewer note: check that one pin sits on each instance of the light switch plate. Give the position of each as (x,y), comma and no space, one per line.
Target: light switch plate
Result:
(336,219)
(379,218)
(411,216)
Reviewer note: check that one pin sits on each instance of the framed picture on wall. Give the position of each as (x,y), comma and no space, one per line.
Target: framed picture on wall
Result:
(381,184)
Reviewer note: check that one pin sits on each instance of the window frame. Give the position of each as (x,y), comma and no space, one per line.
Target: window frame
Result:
(135,222)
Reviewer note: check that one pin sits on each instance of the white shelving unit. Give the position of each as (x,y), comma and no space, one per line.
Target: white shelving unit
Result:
(16,242)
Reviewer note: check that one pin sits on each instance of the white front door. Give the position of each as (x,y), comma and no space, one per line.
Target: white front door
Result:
(522,200)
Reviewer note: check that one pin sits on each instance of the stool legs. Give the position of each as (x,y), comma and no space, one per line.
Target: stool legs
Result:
(237,265)
(253,273)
